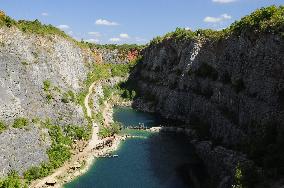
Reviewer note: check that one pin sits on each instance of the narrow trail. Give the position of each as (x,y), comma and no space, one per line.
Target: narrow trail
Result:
(63,174)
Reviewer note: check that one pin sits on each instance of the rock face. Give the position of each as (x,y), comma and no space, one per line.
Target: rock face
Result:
(21,149)
(230,90)
(35,73)
(114,56)
(26,62)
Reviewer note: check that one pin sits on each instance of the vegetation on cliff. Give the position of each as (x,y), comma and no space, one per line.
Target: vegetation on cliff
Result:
(265,20)
(13,180)
(2,126)
(35,26)
(60,151)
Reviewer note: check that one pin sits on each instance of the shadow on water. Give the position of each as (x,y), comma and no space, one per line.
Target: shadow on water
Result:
(174,162)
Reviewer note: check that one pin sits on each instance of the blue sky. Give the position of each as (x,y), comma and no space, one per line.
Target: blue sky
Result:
(131,21)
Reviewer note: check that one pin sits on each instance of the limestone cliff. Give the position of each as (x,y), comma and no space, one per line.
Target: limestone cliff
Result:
(35,73)
(230,90)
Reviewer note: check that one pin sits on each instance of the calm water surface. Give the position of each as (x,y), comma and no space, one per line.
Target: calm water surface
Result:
(150,162)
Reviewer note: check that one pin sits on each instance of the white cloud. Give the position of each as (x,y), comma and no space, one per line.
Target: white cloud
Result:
(124,36)
(223,1)
(63,27)
(114,39)
(187,28)
(96,34)
(92,40)
(221,18)
(105,22)
(44,14)
(70,32)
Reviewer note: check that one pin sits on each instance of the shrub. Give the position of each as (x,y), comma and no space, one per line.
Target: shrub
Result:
(49,97)
(2,126)
(68,97)
(46,85)
(238,177)
(269,19)
(58,154)
(20,123)
(38,172)
(76,132)
(58,137)
(114,128)
(107,91)
(12,181)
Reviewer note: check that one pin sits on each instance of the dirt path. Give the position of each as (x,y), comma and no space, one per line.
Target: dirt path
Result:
(64,174)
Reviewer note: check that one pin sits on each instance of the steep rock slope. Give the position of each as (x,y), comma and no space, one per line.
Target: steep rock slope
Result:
(35,73)
(230,90)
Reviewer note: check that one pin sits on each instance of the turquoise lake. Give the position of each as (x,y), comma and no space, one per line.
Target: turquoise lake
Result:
(155,161)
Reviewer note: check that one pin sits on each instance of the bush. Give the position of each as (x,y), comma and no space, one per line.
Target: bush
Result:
(76,132)
(38,172)
(269,19)
(58,154)
(12,181)
(107,91)
(58,137)
(20,123)
(68,97)
(113,129)
(3,127)
(46,85)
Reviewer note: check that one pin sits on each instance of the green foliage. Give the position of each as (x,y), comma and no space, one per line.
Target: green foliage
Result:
(121,48)
(49,97)
(38,172)
(38,28)
(46,85)
(269,19)
(100,71)
(58,154)
(69,96)
(178,34)
(32,27)
(47,88)
(24,63)
(20,123)
(125,91)
(238,177)
(3,127)
(128,94)
(107,92)
(58,137)
(12,181)
(114,128)
(76,132)
(6,21)
(60,151)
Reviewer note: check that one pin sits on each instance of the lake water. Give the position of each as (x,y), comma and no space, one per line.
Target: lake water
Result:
(156,160)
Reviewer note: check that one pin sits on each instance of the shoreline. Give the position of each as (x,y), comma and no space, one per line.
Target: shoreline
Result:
(81,161)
